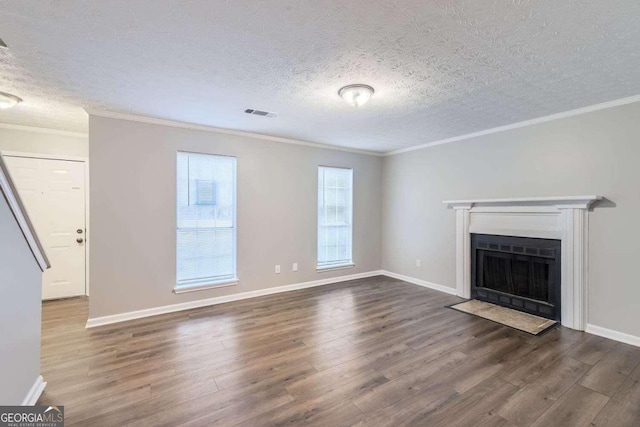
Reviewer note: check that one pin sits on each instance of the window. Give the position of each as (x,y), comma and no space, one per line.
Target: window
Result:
(206,220)
(335,213)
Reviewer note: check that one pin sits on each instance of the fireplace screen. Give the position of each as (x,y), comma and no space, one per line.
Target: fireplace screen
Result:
(521,273)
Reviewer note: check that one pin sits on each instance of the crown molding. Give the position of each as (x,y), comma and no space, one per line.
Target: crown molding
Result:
(552,117)
(204,128)
(43,130)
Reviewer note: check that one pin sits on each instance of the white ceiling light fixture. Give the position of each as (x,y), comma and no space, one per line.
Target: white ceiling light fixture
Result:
(356,95)
(7,100)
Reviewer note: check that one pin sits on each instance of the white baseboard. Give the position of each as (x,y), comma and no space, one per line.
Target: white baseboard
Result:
(39,385)
(122,317)
(614,335)
(419,282)
(36,391)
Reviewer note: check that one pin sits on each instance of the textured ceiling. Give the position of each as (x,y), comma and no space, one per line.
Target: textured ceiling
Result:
(440,68)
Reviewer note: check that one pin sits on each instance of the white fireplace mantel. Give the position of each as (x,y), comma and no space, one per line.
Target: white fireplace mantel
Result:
(562,218)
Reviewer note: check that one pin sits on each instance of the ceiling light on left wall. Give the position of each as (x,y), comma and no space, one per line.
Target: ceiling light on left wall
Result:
(7,100)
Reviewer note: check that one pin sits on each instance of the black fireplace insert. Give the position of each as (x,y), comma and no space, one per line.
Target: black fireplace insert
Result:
(517,272)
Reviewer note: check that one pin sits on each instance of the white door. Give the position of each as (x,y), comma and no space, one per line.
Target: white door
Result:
(53,192)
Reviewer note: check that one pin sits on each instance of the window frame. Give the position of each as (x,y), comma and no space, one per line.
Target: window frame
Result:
(192,285)
(347,263)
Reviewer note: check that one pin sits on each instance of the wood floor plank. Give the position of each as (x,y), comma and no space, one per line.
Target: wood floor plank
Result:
(525,406)
(408,384)
(300,412)
(369,352)
(492,420)
(592,349)
(612,370)
(469,407)
(623,409)
(577,407)
(545,352)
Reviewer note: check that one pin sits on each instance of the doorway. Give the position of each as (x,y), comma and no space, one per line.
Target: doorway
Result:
(53,191)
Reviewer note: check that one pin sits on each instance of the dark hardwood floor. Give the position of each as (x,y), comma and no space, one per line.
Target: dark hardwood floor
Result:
(371,352)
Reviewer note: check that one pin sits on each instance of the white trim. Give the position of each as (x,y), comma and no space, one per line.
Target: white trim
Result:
(21,216)
(614,335)
(87,227)
(122,317)
(43,130)
(463,251)
(204,286)
(335,267)
(204,128)
(442,288)
(44,156)
(557,116)
(35,392)
(69,158)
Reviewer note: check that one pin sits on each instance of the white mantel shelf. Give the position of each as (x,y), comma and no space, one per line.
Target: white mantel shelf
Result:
(565,218)
(580,202)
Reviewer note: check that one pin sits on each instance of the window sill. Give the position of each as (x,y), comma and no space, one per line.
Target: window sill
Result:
(205,286)
(335,267)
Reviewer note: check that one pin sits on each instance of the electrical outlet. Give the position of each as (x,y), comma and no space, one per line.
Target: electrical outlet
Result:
(418,263)
(295,266)
(277,269)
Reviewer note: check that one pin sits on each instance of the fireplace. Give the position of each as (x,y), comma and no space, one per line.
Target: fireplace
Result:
(517,272)
(563,218)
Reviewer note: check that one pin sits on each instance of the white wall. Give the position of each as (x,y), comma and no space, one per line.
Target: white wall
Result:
(20,306)
(594,153)
(24,139)
(133,209)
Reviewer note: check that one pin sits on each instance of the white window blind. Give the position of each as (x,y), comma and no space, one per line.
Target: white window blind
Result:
(206,219)
(335,213)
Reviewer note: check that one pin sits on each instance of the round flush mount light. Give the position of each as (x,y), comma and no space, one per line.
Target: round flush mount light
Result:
(356,95)
(7,100)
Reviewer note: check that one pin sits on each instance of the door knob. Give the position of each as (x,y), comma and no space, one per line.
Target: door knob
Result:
(80,240)
(79,231)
